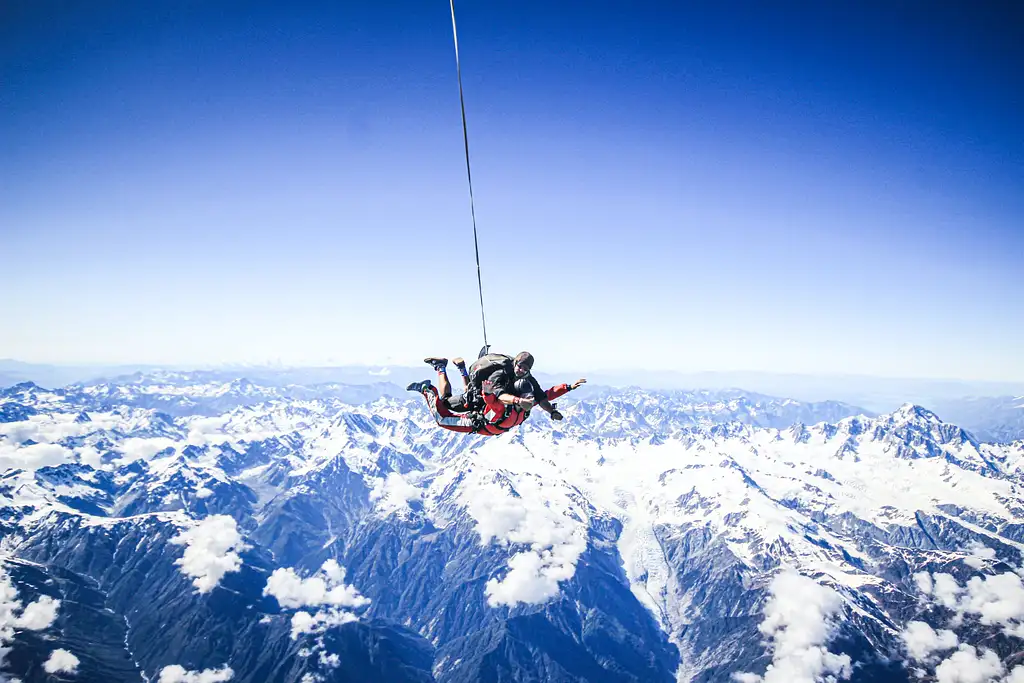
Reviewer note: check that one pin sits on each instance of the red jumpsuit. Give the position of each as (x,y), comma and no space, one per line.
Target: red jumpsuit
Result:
(498,417)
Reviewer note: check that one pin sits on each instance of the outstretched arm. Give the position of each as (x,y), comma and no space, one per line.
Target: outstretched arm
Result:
(562,389)
(556,391)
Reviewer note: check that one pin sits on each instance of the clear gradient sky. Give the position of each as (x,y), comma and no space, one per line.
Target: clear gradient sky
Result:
(791,187)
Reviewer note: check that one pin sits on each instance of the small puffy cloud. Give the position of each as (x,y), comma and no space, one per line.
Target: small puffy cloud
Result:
(143,449)
(923,580)
(39,615)
(327,590)
(394,493)
(61,662)
(799,620)
(205,431)
(921,640)
(967,666)
(534,576)
(212,551)
(331,661)
(981,555)
(36,616)
(744,677)
(87,455)
(178,674)
(304,622)
(946,590)
(203,492)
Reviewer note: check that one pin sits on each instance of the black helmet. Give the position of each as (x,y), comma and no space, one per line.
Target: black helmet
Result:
(523,387)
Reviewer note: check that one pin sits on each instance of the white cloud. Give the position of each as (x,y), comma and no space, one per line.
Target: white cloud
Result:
(207,430)
(995,600)
(924,582)
(61,662)
(47,428)
(394,493)
(212,551)
(326,589)
(34,456)
(799,620)
(87,455)
(178,674)
(946,590)
(967,666)
(304,622)
(534,576)
(39,615)
(921,640)
(143,449)
(534,517)
(981,555)
(332,661)
(36,616)
(203,492)
(17,432)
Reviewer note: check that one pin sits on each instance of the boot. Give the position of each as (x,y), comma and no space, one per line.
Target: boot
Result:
(438,364)
(419,387)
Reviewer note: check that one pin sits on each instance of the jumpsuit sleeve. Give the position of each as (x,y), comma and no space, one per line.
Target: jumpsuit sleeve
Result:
(556,391)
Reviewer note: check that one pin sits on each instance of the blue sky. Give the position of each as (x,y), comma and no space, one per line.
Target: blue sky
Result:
(817,189)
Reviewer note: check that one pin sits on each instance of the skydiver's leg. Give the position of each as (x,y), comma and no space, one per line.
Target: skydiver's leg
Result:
(458,404)
(443,385)
(439,410)
(461,365)
(441,365)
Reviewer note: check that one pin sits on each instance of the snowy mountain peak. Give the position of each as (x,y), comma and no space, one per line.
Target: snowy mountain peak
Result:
(910,412)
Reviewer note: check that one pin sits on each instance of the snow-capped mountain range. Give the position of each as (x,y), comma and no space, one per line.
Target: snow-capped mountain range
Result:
(166,528)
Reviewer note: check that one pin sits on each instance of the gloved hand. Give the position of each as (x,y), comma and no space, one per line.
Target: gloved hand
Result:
(555,415)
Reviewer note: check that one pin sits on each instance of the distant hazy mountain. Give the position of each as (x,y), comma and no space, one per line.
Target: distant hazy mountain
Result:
(999,419)
(879,394)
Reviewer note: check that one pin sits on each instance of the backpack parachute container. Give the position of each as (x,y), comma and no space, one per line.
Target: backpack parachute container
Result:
(485,366)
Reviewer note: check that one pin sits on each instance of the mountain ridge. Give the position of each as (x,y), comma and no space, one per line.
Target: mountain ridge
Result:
(663,514)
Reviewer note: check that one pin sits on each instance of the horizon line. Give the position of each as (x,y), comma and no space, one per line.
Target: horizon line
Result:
(200,367)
